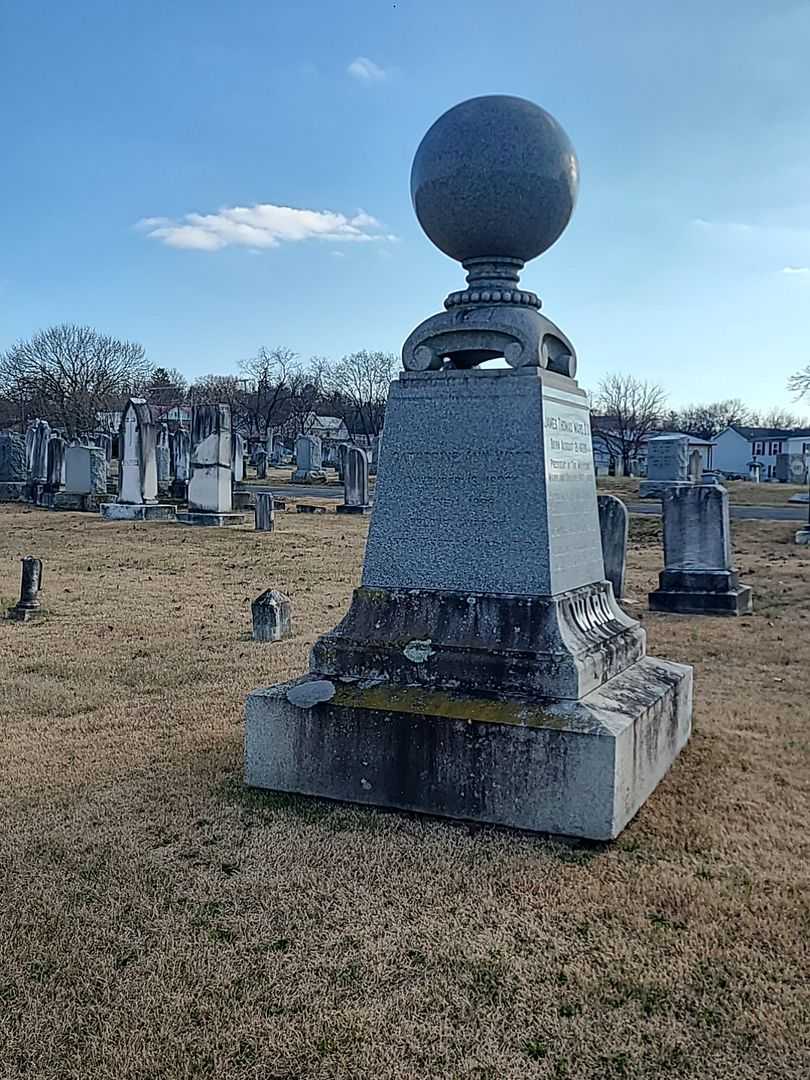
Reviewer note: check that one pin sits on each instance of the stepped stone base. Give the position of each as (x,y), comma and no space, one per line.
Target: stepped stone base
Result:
(138,512)
(304,477)
(580,768)
(344,509)
(198,517)
(14,491)
(701,592)
(68,500)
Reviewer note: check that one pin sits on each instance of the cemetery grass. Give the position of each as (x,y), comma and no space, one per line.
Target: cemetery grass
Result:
(740,492)
(157,920)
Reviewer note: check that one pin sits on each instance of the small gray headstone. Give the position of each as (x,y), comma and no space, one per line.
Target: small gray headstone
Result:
(79,479)
(355,478)
(613,525)
(696,466)
(260,461)
(264,511)
(271,616)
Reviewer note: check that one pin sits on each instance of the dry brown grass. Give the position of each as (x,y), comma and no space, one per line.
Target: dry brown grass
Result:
(740,492)
(159,921)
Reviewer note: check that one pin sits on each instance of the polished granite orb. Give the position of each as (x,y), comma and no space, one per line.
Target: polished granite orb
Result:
(495,176)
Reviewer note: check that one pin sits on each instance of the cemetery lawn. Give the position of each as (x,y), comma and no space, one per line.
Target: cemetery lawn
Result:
(740,492)
(159,921)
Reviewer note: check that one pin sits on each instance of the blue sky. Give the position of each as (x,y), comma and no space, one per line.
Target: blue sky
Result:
(687,260)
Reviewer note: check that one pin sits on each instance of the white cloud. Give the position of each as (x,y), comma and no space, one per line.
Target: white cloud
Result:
(262,226)
(365,70)
(796,269)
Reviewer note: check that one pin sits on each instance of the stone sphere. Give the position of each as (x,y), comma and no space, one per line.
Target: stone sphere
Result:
(494,176)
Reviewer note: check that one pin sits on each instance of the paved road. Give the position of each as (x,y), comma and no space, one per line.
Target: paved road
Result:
(746,513)
(652,506)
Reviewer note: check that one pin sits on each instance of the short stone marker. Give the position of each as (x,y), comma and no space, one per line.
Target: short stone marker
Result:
(56,464)
(210,495)
(698,576)
(180,464)
(355,483)
(260,461)
(137,469)
(29,604)
(309,462)
(238,458)
(271,616)
(265,516)
(484,670)
(613,526)
(667,464)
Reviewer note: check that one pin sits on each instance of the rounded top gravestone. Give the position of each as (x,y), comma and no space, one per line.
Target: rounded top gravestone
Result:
(494,177)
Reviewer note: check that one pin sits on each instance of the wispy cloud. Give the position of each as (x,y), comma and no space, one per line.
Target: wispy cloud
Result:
(262,226)
(365,70)
(796,269)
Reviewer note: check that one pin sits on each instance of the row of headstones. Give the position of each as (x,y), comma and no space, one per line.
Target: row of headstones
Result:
(48,465)
(699,576)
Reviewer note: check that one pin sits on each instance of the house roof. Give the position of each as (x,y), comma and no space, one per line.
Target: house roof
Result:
(329,422)
(752,433)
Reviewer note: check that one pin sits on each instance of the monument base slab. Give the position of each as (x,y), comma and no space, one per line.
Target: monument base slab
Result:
(138,512)
(70,500)
(308,478)
(580,768)
(364,510)
(701,592)
(199,517)
(14,491)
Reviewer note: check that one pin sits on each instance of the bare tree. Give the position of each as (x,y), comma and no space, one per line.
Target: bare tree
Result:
(631,411)
(217,390)
(779,418)
(362,379)
(707,421)
(267,381)
(72,374)
(307,388)
(799,384)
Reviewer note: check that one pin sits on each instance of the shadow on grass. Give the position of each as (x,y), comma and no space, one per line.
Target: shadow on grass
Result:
(357,817)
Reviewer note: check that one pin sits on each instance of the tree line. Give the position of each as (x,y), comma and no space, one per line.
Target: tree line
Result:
(73,376)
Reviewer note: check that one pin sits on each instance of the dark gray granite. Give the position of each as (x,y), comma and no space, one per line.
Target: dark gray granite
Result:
(12,458)
(613,526)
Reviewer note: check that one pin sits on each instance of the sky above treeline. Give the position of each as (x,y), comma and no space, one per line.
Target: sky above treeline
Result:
(207,178)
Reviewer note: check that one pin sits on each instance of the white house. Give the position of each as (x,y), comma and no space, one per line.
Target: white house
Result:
(327,428)
(738,446)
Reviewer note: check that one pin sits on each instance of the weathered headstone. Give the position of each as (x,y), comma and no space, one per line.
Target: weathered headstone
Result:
(271,616)
(13,470)
(341,460)
(41,432)
(163,454)
(260,460)
(12,458)
(180,463)
(374,460)
(667,464)
(238,460)
(137,469)
(755,471)
(104,441)
(613,527)
(790,469)
(484,670)
(355,483)
(698,576)
(695,467)
(308,461)
(56,464)
(265,515)
(210,499)
(29,605)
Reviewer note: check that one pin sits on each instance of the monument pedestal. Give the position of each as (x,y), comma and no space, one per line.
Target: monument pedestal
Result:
(115,511)
(701,592)
(203,517)
(582,768)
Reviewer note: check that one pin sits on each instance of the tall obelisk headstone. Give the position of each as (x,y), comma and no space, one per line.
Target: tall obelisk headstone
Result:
(484,669)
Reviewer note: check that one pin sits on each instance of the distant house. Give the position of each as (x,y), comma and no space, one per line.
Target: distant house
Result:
(738,446)
(608,463)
